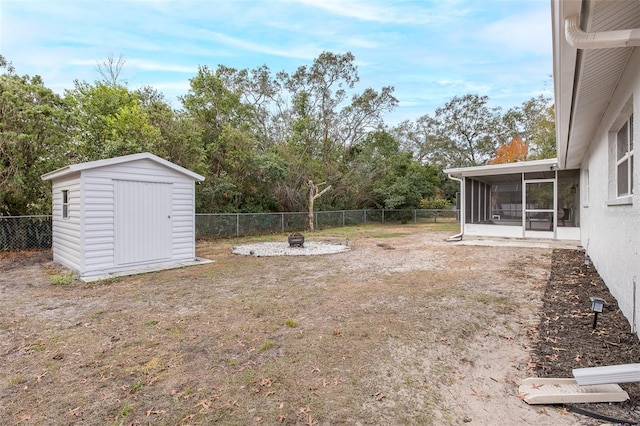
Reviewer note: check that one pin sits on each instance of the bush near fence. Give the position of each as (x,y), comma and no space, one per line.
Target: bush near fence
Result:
(34,232)
(25,232)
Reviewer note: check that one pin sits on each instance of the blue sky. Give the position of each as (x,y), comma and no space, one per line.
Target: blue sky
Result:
(430,51)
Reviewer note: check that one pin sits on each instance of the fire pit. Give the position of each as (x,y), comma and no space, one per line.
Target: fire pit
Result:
(296,240)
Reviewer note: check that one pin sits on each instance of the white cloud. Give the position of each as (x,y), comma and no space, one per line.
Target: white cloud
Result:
(355,42)
(529,31)
(140,64)
(299,52)
(362,11)
(430,50)
(388,12)
(159,66)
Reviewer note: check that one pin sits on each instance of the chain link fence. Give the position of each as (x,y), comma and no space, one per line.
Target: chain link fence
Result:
(229,225)
(25,232)
(34,232)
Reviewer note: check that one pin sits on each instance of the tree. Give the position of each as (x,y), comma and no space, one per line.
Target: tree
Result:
(111,68)
(299,126)
(322,88)
(315,193)
(240,176)
(259,138)
(510,152)
(534,123)
(240,168)
(109,121)
(464,132)
(215,106)
(419,138)
(33,141)
(325,123)
(320,98)
(385,176)
(179,140)
(263,93)
(406,183)
(365,114)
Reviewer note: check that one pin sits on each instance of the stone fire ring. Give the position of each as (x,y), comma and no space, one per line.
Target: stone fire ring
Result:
(282,249)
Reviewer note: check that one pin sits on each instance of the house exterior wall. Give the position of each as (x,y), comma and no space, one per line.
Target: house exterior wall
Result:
(67,231)
(568,233)
(100,233)
(611,229)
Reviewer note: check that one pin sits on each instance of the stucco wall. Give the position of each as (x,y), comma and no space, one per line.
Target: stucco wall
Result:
(610,230)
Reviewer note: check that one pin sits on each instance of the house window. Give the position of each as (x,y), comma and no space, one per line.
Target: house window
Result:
(585,195)
(624,159)
(65,204)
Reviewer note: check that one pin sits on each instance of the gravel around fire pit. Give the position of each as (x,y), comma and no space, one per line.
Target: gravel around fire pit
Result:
(283,249)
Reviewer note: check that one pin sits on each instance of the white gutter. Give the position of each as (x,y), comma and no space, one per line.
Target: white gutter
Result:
(580,39)
(458,237)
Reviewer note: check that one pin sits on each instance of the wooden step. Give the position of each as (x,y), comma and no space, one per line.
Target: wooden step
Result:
(536,390)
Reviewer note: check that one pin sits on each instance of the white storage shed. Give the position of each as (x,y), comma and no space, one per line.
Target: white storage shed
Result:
(123,215)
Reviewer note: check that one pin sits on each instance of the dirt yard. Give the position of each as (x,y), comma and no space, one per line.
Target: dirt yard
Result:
(403,329)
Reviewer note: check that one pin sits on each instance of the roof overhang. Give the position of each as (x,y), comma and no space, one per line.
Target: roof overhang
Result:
(586,78)
(76,168)
(504,169)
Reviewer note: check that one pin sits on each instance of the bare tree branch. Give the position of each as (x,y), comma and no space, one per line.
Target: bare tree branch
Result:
(111,68)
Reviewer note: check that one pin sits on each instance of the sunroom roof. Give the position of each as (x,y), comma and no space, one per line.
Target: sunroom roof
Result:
(503,169)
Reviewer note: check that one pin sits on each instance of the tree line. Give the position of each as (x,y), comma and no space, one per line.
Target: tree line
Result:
(260,137)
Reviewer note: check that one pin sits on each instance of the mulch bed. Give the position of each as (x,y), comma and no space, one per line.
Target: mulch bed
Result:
(566,338)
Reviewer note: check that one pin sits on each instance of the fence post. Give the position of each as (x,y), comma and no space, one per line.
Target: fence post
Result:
(382,215)
(237,225)
(415,215)
(343,218)
(282,221)
(365,216)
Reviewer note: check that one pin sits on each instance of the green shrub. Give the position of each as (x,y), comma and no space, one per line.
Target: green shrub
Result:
(435,204)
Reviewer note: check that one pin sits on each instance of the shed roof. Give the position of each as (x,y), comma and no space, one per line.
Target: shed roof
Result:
(73,168)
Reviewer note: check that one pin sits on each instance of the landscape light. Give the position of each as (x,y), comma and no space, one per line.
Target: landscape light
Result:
(597,304)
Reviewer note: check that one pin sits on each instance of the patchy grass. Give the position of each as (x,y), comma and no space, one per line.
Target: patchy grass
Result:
(59,276)
(372,336)
(290,322)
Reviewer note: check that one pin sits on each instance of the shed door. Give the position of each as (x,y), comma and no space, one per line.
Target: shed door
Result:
(143,222)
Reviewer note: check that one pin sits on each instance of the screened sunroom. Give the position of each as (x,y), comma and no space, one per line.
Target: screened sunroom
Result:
(531,199)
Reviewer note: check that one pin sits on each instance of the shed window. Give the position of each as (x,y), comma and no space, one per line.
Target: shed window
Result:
(65,204)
